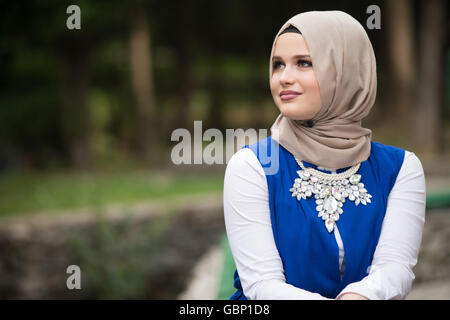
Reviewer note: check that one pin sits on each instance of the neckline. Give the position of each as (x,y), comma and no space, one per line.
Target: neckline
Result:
(321,169)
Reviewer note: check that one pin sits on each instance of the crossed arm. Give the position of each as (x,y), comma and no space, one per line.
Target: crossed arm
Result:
(248,225)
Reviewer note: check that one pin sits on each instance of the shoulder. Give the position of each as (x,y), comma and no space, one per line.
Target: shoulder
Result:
(387,156)
(412,165)
(265,144)
(244,176)
(395,166)
(407,159)
(243,161)
(411,176)
(381,149)
(410,184)
(249,155)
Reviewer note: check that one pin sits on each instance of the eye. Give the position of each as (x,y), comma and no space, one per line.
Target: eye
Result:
(304,63)
(277,65)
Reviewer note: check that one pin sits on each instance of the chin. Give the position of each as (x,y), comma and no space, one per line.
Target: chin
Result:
(291,116)
(288,113)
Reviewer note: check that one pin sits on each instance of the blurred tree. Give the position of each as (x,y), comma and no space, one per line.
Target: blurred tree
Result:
(75,116)
(401,71)
(142,83)
(76,50)
(186,11)
(429,124)
(76,95)
(217,99)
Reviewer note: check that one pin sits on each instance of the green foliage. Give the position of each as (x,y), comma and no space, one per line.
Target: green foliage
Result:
(22,193)
(224,47)
(117,259)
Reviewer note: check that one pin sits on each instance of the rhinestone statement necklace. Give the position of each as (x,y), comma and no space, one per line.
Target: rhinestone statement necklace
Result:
(330,191)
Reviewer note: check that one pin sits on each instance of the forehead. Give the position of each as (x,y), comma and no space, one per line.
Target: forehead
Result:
(290,44)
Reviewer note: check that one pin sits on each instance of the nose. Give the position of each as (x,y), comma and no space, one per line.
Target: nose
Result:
(287,76)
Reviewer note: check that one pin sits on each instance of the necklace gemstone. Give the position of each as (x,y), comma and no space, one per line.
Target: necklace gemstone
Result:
(330,191)
(330,204)
(354,179)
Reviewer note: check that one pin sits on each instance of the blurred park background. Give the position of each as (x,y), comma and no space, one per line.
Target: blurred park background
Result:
(86,118)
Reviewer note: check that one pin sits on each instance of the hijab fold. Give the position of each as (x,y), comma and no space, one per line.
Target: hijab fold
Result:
(344,64)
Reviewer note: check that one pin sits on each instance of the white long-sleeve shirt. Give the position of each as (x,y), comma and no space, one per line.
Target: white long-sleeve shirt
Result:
(250,235)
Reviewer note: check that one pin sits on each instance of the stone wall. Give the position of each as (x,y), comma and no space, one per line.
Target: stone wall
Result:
(146,253)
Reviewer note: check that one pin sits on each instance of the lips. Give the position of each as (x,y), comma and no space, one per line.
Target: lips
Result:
(289,95)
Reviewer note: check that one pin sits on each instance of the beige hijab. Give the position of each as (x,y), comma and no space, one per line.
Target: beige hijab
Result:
(344,64)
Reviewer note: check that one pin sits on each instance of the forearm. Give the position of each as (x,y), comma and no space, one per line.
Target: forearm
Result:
(279,290)
(351,296)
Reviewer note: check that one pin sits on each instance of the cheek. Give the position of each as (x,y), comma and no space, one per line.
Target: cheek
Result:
(312,87)
(274,85)
(309,81)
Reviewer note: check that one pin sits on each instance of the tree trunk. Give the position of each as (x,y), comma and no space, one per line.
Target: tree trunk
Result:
(401,64)
(75,118)
(429,129)
(142,84)
(216,88)
(184,60)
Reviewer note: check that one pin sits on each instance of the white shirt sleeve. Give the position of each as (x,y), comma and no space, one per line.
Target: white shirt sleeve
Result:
(249,231)
(391,273)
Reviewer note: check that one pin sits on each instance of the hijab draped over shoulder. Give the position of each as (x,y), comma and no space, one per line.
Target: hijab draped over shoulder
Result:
(344,64)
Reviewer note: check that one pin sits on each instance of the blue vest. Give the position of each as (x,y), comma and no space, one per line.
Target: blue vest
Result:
(309,253)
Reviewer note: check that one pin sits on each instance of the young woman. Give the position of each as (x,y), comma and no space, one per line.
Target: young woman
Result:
(342,216)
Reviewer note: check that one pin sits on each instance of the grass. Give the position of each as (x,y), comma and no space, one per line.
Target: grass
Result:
(25,192)
(226,286)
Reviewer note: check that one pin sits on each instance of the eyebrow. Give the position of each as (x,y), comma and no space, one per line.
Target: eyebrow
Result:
(299,56)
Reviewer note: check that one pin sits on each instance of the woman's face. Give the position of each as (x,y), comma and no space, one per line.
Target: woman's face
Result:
(294,85)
